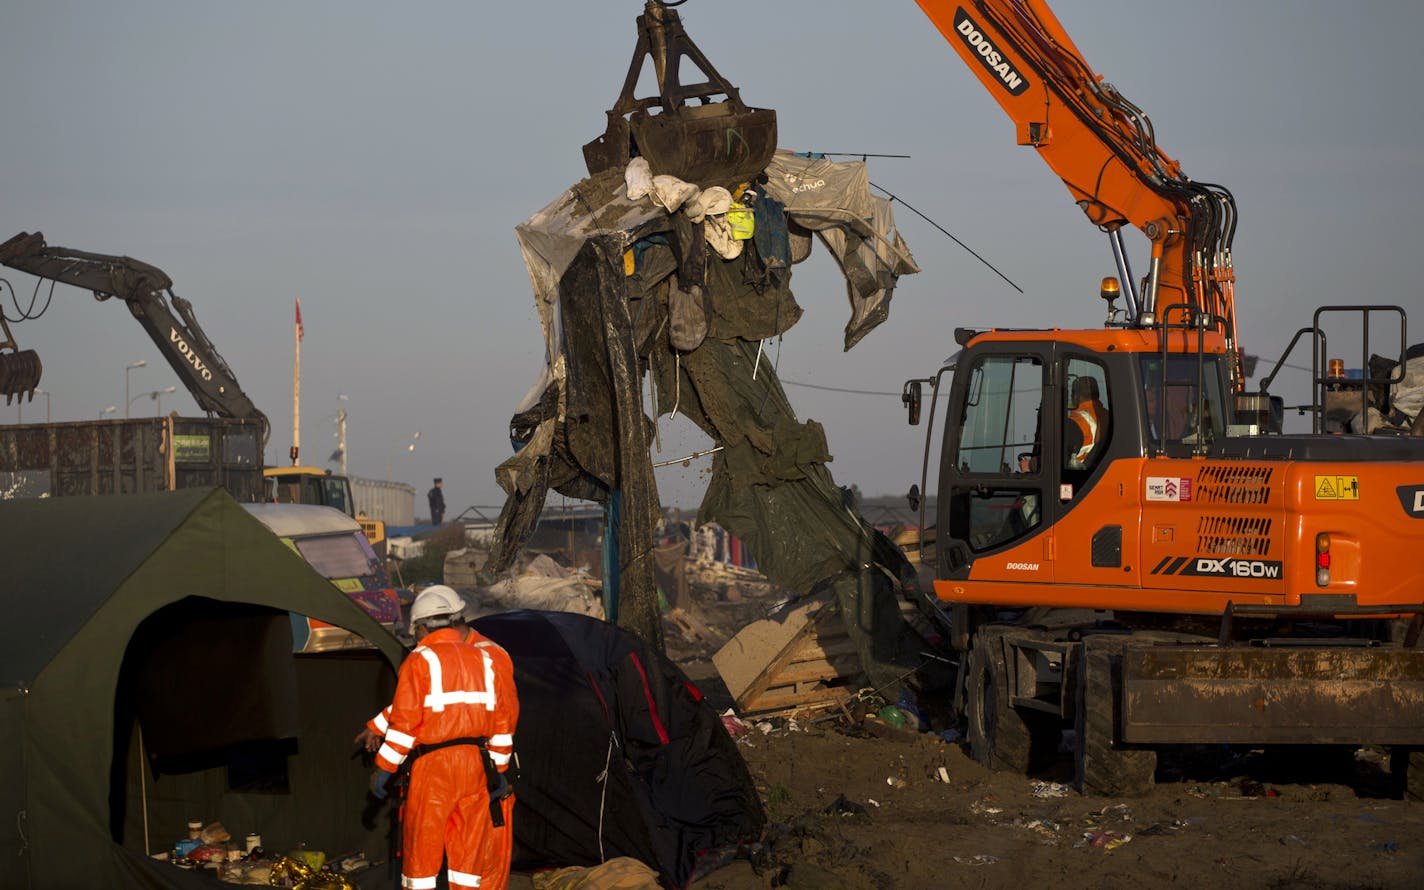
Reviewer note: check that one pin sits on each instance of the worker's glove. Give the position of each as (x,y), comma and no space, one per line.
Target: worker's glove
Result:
(379,778)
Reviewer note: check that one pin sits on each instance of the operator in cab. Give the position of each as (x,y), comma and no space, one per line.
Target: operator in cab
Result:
(1087,425)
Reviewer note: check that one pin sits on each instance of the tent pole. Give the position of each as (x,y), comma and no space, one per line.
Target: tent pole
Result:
(143,792)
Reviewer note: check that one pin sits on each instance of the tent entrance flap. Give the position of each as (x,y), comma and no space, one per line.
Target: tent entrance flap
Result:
(207,675)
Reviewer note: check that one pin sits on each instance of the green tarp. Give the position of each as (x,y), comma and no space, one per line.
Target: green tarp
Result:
(88,582)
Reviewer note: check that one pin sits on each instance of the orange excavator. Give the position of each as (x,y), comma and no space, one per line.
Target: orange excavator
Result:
(1128,544)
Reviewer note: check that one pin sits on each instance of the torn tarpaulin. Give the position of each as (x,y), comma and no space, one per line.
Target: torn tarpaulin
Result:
(627,289)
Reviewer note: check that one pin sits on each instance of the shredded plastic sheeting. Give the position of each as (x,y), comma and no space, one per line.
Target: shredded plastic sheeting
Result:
(630,293)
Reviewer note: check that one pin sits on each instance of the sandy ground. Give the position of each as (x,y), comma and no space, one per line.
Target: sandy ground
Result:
(868,806)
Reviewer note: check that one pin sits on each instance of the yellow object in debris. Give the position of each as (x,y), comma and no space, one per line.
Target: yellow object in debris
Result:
(628,265)
(288,872)
(742,222)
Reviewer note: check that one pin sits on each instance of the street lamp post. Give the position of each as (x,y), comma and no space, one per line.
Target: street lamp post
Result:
(158,399)
(409,446)
(127,368)
(155,395)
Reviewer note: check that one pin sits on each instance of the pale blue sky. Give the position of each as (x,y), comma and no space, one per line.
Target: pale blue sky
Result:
(374,159)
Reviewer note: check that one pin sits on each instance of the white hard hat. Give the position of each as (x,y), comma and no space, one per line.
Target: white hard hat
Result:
(436,601)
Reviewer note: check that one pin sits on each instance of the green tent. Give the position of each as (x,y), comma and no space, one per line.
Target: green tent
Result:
(148,680)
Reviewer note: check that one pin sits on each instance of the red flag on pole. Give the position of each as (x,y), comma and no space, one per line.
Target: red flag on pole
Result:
(300,330)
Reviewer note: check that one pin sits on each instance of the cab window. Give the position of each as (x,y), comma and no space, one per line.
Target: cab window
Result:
(336,494)
(1001,413)
(336,557)
(1170,399)
(1000,436)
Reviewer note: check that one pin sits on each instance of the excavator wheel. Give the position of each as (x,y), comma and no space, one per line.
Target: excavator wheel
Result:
(1000,736)
(1102,766)
(19,374)
(1407,767)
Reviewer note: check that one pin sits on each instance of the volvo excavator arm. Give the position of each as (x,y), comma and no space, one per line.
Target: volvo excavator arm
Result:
(1104,149)
(147,290)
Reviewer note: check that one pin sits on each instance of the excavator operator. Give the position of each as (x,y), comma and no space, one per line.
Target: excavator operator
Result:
(1087,425)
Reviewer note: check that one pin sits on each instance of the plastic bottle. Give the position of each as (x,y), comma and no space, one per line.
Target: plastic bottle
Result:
(193,841)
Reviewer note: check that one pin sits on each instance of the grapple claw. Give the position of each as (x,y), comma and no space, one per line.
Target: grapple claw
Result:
(19,374)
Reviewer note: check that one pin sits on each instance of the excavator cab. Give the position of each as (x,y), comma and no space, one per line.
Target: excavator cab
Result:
(1036,419)
(313,485)
(309,485)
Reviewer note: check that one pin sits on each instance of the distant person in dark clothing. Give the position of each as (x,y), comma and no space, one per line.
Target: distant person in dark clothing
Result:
(436,497)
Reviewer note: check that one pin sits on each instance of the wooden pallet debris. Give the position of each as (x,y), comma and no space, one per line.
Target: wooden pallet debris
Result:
(799,660)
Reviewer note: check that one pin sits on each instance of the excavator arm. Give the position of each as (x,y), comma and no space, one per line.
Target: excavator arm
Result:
(1103,148)
(167,317)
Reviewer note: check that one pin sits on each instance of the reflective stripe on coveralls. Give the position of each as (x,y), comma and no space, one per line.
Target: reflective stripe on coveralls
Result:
(456,689)
(1088,421)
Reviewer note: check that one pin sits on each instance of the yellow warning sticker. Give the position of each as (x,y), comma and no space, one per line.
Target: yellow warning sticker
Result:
(1337,488)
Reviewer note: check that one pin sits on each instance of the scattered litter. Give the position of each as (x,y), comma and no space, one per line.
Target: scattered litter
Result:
(1104,840)
(893,716)
(895,782)
(943,775)
(765,727)
(1157,828)
(733,724)
(1118,811)
(873,802)
(842,806)
(792,725)
(1043,827)
(981,859)
(914,719)
(1252,788)
(983,808)
(1292,840)
(1048,789)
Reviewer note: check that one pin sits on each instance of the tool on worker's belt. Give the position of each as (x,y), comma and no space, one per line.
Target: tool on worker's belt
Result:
(496,782)
(711,143)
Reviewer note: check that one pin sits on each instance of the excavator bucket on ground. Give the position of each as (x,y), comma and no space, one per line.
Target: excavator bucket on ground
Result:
(711,143)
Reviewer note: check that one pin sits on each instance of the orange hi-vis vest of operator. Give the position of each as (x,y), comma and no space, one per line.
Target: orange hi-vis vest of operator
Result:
(1090,417)
(456,686)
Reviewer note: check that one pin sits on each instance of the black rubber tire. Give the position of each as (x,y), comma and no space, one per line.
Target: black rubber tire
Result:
(1407,768)
(1002,737)
(1100,766)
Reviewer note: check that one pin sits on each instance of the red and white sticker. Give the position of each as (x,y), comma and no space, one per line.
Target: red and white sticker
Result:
(1168,488)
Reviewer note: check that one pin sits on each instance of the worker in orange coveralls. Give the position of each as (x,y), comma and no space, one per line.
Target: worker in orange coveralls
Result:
(454,712)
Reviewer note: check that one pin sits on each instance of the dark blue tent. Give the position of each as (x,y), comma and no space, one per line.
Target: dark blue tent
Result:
(618,753)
